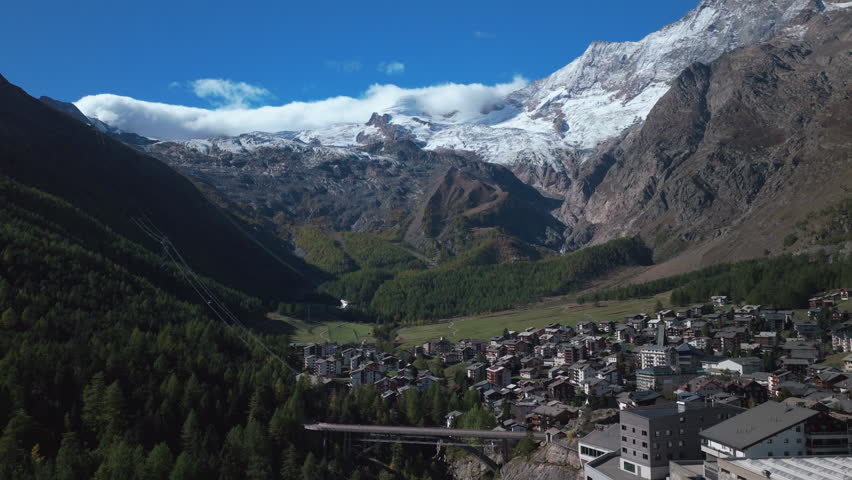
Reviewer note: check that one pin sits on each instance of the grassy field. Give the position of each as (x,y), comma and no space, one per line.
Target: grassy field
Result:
(334,331)
(560,310)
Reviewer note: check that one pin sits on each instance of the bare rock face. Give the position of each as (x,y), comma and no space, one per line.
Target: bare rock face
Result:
(556,461)
(735,152)
(436,198)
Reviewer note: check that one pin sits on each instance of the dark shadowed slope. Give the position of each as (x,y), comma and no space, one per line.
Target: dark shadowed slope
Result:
(53,152)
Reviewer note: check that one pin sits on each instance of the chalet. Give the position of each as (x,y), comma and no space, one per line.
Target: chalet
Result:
(807,328)
(475,372)
(586,327)
(515,346)
(638,399)
(499,376)
(440,346)
(624,333)
(452,418)
(606,326)
(830,380)
(637,321)
(554,414)
(580,371)
(841,337)
(749,390)
(719,300)
(715,319)
(767,339)
(560,389)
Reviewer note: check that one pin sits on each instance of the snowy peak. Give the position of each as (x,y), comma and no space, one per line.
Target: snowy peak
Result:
(614,85)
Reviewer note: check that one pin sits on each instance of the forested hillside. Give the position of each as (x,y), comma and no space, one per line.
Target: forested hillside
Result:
(106,374)
(115,183)
(784,282)
(446,292)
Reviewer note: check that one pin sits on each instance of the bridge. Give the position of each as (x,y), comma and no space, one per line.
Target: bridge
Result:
(379,434)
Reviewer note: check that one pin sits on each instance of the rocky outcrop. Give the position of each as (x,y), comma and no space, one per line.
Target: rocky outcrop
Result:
(734,154)
(555,461)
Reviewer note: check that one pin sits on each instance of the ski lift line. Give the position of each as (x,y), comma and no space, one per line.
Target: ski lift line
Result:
(213,298)
(210,299)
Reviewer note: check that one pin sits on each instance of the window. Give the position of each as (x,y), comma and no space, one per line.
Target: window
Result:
(769,441)
(644,456)
(657,457)
(634,453)
(681,431)
(644,444)
(629,467)
(657,433)
(786,440)
(623,438)
(634,441)
(634,429)
(682,419)
(769,454)
(668,433)
(669,444)
(798,428)
(644,433)
(624,427)
(786,454)
(680,443)
(656,445)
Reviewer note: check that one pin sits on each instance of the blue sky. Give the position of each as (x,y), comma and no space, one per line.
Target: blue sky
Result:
(302,50)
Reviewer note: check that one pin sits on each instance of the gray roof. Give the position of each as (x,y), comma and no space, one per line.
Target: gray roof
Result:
(606,439)
(757,424)
(813,468)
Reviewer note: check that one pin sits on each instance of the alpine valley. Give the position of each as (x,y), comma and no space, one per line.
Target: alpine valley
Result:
(711,139)
(180,308)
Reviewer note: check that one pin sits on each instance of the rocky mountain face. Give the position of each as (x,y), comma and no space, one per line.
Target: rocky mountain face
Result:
(559,121)
(735,153)
(434,199)
(713,135)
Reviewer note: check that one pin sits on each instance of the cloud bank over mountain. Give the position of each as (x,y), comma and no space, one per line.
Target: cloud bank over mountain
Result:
(232,114)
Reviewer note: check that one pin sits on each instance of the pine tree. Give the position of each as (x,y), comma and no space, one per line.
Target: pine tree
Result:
(291,466)
(114,416)
(185,468)
(72,461)
(190,435)
(159,463)
(310,469)
(9,319)
(93,395)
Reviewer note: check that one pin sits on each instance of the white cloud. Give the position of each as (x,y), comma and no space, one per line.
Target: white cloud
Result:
(392,68)
(345,66)
(227,93)
(484,35)
(164,121)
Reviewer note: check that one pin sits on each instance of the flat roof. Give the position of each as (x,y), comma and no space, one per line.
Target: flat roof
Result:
(757,424)
(795,468)
(606,439)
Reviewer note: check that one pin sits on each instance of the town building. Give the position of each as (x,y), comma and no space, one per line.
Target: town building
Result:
(651,437)
(774,429)
(498,376)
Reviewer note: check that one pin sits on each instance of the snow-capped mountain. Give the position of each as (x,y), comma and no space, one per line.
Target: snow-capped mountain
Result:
(611,87)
